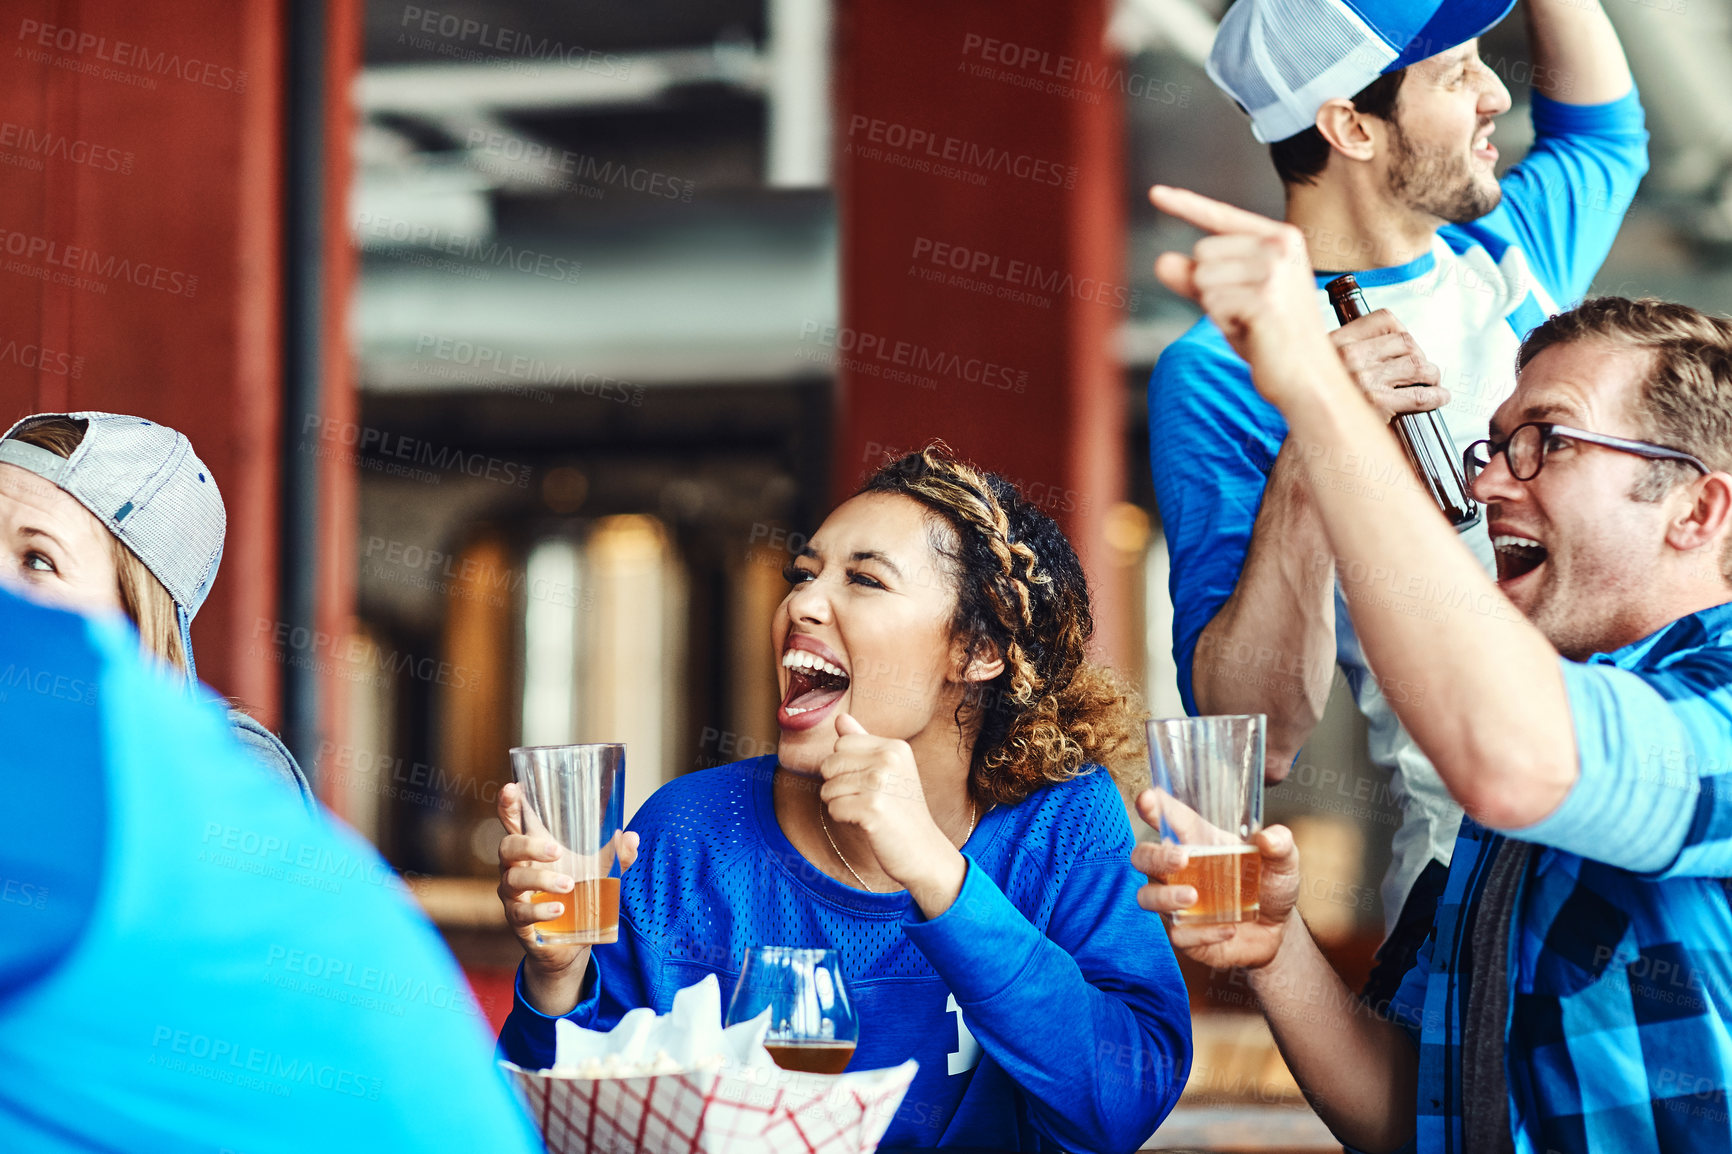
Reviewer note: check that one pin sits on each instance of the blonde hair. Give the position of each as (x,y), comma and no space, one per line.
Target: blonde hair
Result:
(144,598)
(1021,591)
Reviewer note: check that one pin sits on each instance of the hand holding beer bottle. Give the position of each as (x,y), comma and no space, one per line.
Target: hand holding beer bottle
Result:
(1248,944)
(1389,366)
(1424,435)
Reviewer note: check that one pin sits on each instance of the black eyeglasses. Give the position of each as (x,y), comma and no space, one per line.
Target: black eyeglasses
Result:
(1525,451)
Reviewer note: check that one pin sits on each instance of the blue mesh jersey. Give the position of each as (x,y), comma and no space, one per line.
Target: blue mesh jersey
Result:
(1620,970)
(1468,302)
(1044,1007)
(189,959)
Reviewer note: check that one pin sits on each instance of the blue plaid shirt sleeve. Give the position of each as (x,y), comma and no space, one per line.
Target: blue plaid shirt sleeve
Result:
(1619,977)
(1652,747)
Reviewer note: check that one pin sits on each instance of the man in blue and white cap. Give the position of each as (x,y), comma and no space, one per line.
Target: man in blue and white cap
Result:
(133,522)
(1379,115)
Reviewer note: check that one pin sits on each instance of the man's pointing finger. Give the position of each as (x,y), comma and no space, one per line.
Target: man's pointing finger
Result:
(1210,215)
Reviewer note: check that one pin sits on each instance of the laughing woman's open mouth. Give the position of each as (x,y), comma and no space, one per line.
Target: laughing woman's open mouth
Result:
(817,680)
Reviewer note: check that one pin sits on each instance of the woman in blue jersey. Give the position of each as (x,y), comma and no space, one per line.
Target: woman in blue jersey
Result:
(935,811)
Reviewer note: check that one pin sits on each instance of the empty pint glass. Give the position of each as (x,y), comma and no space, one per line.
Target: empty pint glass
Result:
(1213,769)
(575,795)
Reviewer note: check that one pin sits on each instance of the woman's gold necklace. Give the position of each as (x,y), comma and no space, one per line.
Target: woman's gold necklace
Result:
(973,817)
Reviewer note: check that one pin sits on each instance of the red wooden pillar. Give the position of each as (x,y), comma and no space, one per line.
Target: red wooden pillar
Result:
(140,259)
(979,177)
(339,510)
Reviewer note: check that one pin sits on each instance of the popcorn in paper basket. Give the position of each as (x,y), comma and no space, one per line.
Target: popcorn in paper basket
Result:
(680,1084)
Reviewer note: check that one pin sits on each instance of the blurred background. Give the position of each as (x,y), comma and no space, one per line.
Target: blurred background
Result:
(528,340)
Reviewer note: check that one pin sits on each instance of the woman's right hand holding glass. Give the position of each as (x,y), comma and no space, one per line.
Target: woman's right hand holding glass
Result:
(552,973)
(1248,944)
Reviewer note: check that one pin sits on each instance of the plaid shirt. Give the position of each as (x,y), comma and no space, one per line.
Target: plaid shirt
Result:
(1620,967)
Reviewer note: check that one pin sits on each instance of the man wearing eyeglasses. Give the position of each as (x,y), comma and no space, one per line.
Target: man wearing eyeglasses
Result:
(1381,118)
(1575,993)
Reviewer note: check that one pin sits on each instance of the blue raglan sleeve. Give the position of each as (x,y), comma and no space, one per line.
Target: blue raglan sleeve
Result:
(1212,442)
(615,983)
(622,974)
(1090,1019)
(1566,199)
(1654,787)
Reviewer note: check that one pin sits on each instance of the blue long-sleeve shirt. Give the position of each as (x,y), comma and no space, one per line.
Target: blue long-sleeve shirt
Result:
(1044,1007)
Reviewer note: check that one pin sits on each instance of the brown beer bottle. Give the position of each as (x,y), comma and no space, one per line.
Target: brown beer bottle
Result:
(1424,437)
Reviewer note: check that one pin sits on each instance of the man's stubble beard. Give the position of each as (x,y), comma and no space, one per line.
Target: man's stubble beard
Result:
(1438,182)
(1560,627)
(1584,609)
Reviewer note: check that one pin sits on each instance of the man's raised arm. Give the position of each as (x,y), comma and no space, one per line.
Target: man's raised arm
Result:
(1577,56)
(1491,709)
(1270,648)
(1282,614)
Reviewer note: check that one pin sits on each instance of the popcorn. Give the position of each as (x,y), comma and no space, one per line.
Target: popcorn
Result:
(661,1062)
(680,1084)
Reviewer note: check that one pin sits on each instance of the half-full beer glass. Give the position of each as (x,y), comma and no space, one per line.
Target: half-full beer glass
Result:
(1213,768)
(575,795)
(813,1029)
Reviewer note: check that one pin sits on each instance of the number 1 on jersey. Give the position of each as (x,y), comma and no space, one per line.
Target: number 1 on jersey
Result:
(966,1056)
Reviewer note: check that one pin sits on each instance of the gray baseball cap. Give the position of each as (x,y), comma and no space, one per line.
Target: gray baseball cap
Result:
(145,484)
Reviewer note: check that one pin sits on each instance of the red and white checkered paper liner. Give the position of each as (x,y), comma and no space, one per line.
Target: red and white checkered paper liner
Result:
(714,1111)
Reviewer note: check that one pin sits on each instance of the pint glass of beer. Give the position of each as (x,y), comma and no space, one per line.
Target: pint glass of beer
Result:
(575,795)
(1213,768)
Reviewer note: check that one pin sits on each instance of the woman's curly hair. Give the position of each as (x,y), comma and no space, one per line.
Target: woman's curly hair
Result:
(1020,591)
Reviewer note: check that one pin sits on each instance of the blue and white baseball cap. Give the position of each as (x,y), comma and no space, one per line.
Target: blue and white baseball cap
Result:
(1282,60)
(145,484)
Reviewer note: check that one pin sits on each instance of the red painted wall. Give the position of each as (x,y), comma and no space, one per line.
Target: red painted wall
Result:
(980,182)
(140,178)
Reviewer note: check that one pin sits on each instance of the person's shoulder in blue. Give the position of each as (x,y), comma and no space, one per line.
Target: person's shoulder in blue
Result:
(935,813)
(191,960)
